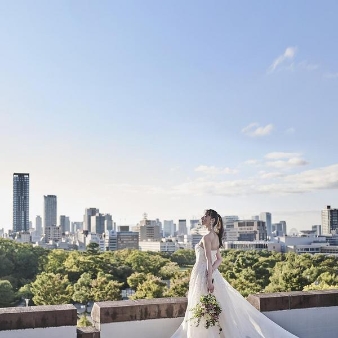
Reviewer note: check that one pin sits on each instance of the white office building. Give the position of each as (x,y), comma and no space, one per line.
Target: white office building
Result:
(162,246)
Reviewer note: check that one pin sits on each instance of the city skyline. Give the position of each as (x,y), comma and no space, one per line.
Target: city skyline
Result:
(135,220)
(171,108)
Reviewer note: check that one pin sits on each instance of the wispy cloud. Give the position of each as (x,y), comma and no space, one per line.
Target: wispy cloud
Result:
(212,187)
(331,75)
(292,162)
(288,55)
(315,179)
(290,130)
(278,155)
(307,65)
(270,175)
(283,160)
(306,181)
(211,170)
(255,130)
(325,178)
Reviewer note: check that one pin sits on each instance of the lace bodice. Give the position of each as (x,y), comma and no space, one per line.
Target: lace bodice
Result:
(198,273)
(200,254)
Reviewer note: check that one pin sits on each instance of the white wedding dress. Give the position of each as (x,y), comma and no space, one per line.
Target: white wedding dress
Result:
(239,319)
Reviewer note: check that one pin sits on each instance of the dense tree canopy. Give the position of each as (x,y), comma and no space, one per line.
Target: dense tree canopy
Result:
(51,289)
(7,295)
(58,276)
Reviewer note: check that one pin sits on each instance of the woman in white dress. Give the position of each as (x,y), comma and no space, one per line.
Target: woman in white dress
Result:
(239,319)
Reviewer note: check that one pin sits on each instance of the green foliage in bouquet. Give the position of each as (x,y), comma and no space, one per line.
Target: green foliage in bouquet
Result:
(208,309)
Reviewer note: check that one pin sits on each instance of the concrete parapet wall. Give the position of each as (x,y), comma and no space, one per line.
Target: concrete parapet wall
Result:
(266,302)
(307,314)
(135,310)
(16,318)
(38,321)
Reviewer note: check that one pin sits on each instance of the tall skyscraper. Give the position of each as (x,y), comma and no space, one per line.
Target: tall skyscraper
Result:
(64,224)
(38,225)
(168,228)
(329,221)
(20,202)
(89,212)
(182,227)
(50,211)
(108,223)
(266,217)
(97,223)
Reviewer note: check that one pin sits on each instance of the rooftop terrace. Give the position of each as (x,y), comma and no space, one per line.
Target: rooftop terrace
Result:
(306,314)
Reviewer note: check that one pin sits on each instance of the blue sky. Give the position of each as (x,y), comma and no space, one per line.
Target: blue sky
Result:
(171,107)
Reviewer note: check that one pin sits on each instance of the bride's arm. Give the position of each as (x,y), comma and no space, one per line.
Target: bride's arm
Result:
(217,262)
(207,252)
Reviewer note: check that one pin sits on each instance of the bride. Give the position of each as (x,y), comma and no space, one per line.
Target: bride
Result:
(238,319)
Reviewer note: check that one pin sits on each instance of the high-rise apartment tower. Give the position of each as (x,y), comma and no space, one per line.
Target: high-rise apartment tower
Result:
(50,211)
(20,202)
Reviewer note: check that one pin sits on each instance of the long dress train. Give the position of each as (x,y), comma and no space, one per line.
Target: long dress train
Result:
(239,319)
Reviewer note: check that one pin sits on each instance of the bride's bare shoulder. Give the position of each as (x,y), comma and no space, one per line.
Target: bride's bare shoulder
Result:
(206,238)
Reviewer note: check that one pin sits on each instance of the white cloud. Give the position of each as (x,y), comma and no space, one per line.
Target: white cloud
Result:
(270,175)
(307,66)
(289,54)
(315,179)
(279,155)
(217,188)
(211,170)
(331,75)
(255,130)
(306,181)
(291,162)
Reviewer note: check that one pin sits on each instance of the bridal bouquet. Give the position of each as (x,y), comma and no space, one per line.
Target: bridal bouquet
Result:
(209,309)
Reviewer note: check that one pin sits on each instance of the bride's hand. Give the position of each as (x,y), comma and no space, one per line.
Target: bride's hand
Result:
(211,286)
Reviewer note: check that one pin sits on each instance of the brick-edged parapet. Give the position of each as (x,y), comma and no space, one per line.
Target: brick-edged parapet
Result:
(294,300)
(18,318)
(143,309)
